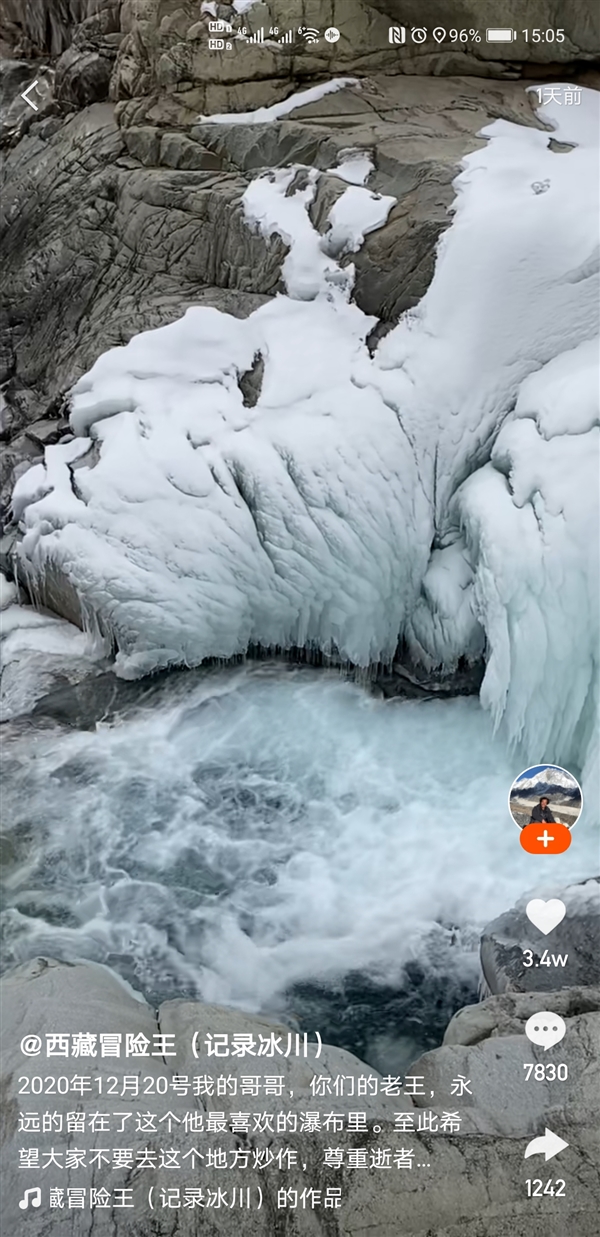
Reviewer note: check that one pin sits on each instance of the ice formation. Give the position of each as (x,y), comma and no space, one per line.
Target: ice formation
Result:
(37,651)
(531,519)
(442,490)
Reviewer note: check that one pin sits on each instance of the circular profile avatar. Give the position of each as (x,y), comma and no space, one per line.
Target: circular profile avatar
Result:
(545,795)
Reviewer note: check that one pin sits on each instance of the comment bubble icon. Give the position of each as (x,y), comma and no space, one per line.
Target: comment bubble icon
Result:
(545,1029)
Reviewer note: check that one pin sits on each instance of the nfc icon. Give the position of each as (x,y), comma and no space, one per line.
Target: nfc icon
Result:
(397,34)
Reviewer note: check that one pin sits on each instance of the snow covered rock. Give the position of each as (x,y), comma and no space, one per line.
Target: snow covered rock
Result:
(277,500)
(144,241)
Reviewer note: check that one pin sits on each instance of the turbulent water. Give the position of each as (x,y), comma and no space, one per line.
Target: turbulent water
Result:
(277,839)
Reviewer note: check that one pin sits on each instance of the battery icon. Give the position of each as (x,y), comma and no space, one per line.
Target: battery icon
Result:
(500,36)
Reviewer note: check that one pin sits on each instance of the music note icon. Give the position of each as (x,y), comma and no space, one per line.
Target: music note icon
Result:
(36,1200)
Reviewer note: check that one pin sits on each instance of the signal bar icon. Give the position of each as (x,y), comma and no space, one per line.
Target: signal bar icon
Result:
(259,37)
(287,38)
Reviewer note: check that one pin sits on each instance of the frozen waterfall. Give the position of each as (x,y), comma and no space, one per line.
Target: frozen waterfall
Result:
(441,490)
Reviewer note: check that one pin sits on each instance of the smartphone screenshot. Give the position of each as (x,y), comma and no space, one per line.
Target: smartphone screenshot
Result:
(299,592)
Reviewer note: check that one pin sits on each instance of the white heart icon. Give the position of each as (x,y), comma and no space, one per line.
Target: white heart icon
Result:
(545,915)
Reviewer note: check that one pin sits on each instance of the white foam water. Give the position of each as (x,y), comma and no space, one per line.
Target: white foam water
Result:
(265,828)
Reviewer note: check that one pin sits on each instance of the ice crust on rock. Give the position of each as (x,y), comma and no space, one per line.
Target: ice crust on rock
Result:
(356,213)
(272,207)
(355,166)
(264,115)
(278,202)
(8,592)
(38,649)
(441,490)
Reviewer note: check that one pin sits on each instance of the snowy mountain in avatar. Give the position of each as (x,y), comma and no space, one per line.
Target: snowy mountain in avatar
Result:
(442,491)
(550,780)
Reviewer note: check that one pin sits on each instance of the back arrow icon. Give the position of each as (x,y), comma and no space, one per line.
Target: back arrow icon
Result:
(548,1145)
(26,92)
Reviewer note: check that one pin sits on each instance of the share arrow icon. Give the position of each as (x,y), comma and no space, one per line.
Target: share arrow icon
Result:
(547,1144)
(27,92)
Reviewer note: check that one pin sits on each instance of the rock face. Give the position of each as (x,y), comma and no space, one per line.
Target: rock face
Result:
(154,53)
(43,27)
(470,1186)
(165,68)
(84,70)
(508,968)
(488,1041)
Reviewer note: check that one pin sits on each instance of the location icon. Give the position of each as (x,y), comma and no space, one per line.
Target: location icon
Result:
(545,915)
(545,1029)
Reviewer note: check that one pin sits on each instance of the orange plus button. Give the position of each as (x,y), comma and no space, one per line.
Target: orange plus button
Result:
(545,839)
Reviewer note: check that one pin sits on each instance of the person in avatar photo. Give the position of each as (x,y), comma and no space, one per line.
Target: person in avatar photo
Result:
(545,795)
(541,814)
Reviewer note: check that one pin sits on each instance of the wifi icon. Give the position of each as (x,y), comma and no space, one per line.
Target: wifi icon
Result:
(311,36)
